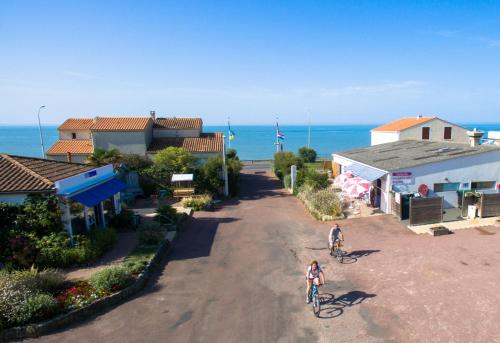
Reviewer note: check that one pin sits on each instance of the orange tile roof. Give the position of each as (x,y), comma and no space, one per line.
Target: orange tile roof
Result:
(29,174)
(76,124)
(207,142)
(74,146)
(178,123)
(120,123)
(403,124)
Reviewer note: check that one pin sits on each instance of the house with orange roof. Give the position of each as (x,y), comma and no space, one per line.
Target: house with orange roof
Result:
(78,137)
(419,128)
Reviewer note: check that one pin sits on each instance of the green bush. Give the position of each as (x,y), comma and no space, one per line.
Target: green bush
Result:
(35,308)
(138,259)
(166,211)
(312,178)
(123,220)
(307,155)
(283,161)
(111,279)
(326,202)
(136,162)
(197,203)
(151,233)
(208,176)
(101,240)
(47,280)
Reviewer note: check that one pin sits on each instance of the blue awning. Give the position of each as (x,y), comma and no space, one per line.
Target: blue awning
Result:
(95,195)
(365,172)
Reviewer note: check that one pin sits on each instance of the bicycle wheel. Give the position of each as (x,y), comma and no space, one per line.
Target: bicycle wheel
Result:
(340,255)
(316,306)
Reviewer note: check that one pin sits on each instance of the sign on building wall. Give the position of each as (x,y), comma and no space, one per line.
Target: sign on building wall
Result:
(402,178)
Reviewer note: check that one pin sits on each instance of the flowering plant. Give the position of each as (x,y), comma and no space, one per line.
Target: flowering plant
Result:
(79,296)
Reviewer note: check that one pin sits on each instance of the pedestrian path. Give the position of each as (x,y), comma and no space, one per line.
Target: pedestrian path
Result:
(456,225)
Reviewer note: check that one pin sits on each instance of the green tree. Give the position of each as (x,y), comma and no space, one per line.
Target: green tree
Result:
(283,161)
(307,155)
(41,215)
(102,156)
(209,176)
(174,160)
(136,162)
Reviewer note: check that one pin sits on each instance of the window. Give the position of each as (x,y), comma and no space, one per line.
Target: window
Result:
(73,135)
(426,132)
(446,187)
(447,132)
(482,184)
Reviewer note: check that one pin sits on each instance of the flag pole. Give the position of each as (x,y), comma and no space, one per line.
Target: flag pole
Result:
(277,139)
(228,134)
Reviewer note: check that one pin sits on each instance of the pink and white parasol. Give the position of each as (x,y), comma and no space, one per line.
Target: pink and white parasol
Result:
(342,178)
(356,187)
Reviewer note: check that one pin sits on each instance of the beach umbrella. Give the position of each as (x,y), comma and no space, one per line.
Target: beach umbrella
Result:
(342,178)
(356,187)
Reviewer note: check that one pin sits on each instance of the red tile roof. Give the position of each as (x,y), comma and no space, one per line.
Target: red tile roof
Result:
(74,146)
(207,142)
(29,174)
(403,124)
(120,123)
(178,123)
(76,124)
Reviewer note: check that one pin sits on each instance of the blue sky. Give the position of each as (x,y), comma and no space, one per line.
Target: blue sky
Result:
(340,61)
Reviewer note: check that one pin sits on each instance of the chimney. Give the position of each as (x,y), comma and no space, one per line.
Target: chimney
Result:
(68,156)
(475,136)
(153,115)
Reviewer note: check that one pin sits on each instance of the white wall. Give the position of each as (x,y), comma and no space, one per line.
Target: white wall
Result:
(166,133)
(128,142)
(80,134)
(17,198)
(380,137)
(480,167)
(458,134)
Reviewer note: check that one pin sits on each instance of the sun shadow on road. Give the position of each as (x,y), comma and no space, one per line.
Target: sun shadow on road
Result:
(353,256)
(255,186)
(332,307)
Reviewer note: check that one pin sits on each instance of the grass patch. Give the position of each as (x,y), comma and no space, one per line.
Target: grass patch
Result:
(138,259)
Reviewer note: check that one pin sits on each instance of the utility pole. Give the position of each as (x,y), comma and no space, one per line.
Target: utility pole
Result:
(224,167)
(40,131)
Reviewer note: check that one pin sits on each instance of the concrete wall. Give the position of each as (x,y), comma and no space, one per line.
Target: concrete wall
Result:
(379,137)
(17,198)
(165,133)
(128,142)
(64,158)
(148,133)
(80,134)
(481,167)
(458,134)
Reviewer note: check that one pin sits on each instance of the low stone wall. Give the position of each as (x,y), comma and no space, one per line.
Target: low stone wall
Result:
(95,308)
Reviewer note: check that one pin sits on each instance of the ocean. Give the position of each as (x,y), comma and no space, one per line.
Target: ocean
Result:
(251,142)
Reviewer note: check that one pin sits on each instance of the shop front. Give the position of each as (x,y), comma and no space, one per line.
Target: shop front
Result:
(88,200)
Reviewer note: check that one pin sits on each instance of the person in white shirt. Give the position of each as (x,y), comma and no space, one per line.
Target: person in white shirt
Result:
(314,274)
(334,236)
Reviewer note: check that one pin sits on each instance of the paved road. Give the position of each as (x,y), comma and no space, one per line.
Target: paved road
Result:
(236,275)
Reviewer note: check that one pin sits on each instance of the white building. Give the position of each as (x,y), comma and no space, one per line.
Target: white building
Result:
(444,167)
(87,194)
(419,128)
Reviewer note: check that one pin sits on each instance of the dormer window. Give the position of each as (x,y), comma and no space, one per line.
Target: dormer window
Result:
(73,135)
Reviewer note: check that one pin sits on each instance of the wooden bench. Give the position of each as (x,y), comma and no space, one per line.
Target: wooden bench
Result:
(183,192)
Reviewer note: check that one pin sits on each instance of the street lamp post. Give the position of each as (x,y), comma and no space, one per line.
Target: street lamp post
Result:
(40,131)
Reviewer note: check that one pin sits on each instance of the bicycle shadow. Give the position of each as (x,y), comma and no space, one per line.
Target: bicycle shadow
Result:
(332,307)
(353,256)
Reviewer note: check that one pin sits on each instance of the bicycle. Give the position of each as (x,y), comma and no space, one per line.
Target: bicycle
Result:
(315,300)
(336,252)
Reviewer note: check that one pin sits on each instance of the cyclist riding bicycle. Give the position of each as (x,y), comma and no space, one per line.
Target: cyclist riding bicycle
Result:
(335,237)
(314,274)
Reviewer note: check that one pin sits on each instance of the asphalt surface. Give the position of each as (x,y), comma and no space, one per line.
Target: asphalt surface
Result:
(237,275)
